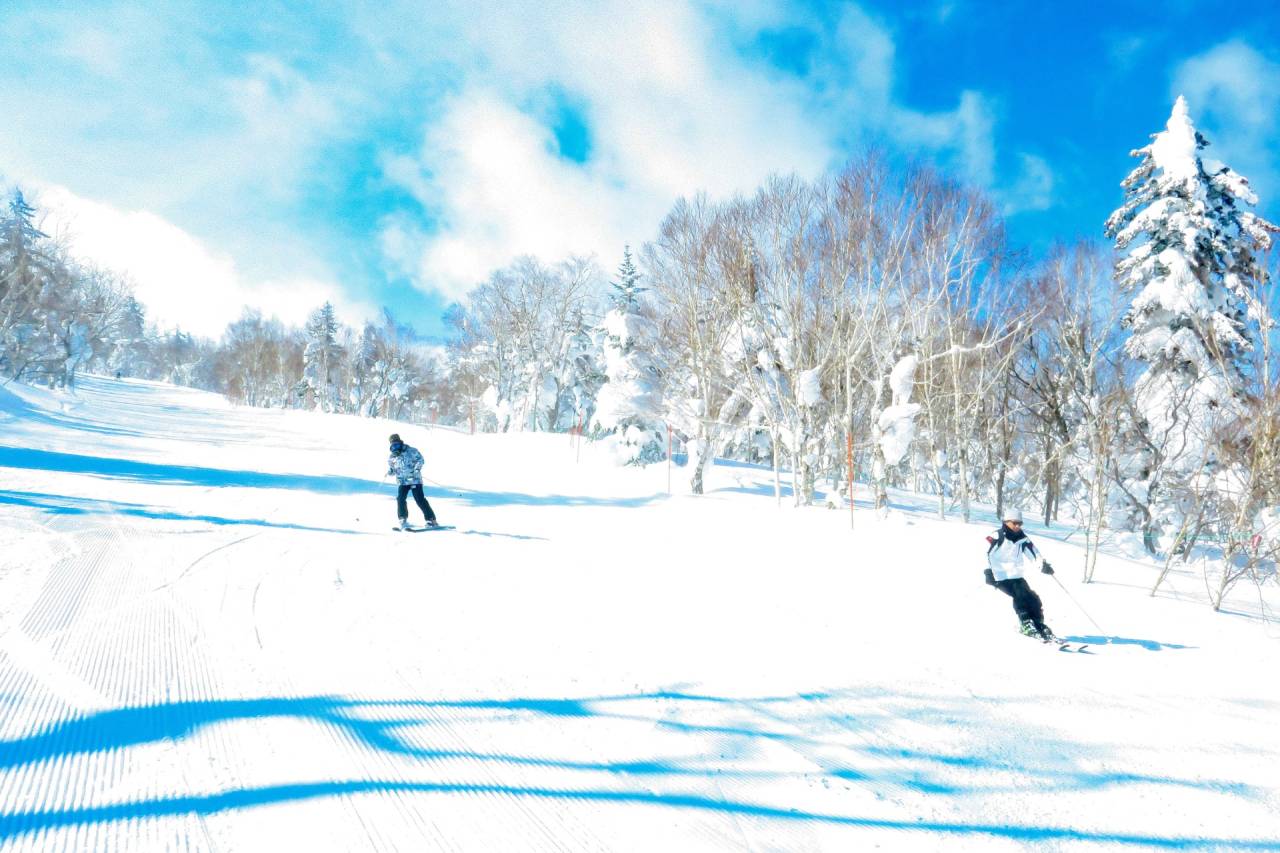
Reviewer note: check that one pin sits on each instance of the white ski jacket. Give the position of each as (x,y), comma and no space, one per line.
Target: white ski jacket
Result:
(406,466)
(1008,560)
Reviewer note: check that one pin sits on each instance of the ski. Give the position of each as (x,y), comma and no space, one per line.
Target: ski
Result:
(422,529)
(1061,645)
(1066,645)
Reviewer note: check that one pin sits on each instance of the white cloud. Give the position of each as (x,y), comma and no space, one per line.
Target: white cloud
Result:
(1233,91)
(672,110)
(235,143)
(180,280)
(1033,189)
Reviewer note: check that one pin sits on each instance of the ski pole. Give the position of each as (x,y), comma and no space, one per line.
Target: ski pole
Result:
(1077,604)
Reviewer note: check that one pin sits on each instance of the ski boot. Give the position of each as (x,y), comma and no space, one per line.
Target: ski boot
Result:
(431,522)
(1046,634)
(404,524)
(1029,629)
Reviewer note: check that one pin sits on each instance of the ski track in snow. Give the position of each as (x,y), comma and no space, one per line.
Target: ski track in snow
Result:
(209,641)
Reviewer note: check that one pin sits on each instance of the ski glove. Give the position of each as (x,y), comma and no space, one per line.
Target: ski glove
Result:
(1046,568)
(990,577)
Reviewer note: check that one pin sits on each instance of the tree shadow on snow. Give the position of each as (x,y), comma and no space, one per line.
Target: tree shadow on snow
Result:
(847,735)
(66,505)
(182,475)
(474,497)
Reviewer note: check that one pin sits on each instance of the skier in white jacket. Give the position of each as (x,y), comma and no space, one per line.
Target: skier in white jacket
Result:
(1010,553)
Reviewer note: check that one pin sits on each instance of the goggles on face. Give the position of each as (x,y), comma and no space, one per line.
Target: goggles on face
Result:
(397,446)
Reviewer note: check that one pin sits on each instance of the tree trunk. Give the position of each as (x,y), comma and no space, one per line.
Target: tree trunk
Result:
(777,466)
(705,452)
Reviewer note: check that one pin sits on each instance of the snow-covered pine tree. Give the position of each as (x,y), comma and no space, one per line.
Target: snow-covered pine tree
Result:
(131,351)
(1189,252)
(628,406)
(322,359)
(627,289)
(581,374)
(25,269)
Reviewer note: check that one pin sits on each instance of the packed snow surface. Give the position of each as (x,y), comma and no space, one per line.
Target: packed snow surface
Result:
(210,639)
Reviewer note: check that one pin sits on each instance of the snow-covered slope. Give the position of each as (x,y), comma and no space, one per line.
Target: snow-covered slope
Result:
(210,639)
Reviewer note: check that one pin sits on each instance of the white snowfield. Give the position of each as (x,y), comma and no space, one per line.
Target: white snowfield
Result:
(211,639)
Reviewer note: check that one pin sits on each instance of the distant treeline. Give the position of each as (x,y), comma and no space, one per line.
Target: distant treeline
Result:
(871,325)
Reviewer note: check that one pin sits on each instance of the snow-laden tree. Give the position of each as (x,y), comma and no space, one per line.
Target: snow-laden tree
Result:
(788,272)
(83,313)
(515,327)
(131,354)
(628,407)
(694,313)
(625,292)
(389,374)
(1189,250)
(58,317)
(581,374)
(895,427)
(382,370)
(26,267)
(251,357)
(322,359)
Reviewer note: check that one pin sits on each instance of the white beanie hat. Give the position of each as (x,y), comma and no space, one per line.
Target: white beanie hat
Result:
(1012,515)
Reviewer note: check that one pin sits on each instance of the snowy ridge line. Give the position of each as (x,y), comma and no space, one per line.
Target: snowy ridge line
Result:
(13,826)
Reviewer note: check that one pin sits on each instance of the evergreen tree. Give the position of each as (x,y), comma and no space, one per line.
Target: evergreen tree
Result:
(131,354)
(581,374)
(627,288)
(629,404)
(322,359)
(1190,254)
(27,269)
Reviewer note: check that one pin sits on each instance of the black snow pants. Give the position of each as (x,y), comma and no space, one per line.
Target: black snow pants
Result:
(1025,601)
(402,506)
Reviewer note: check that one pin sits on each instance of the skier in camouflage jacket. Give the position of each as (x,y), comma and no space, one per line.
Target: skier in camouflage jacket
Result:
(406,465)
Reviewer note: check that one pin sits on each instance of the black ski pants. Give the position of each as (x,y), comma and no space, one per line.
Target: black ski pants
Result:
(402,506)
(1025,601)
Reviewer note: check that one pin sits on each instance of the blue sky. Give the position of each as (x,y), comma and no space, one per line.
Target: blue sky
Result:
(394,153)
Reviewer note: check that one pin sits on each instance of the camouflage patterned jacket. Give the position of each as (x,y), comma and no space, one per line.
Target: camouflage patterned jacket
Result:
(406,466)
